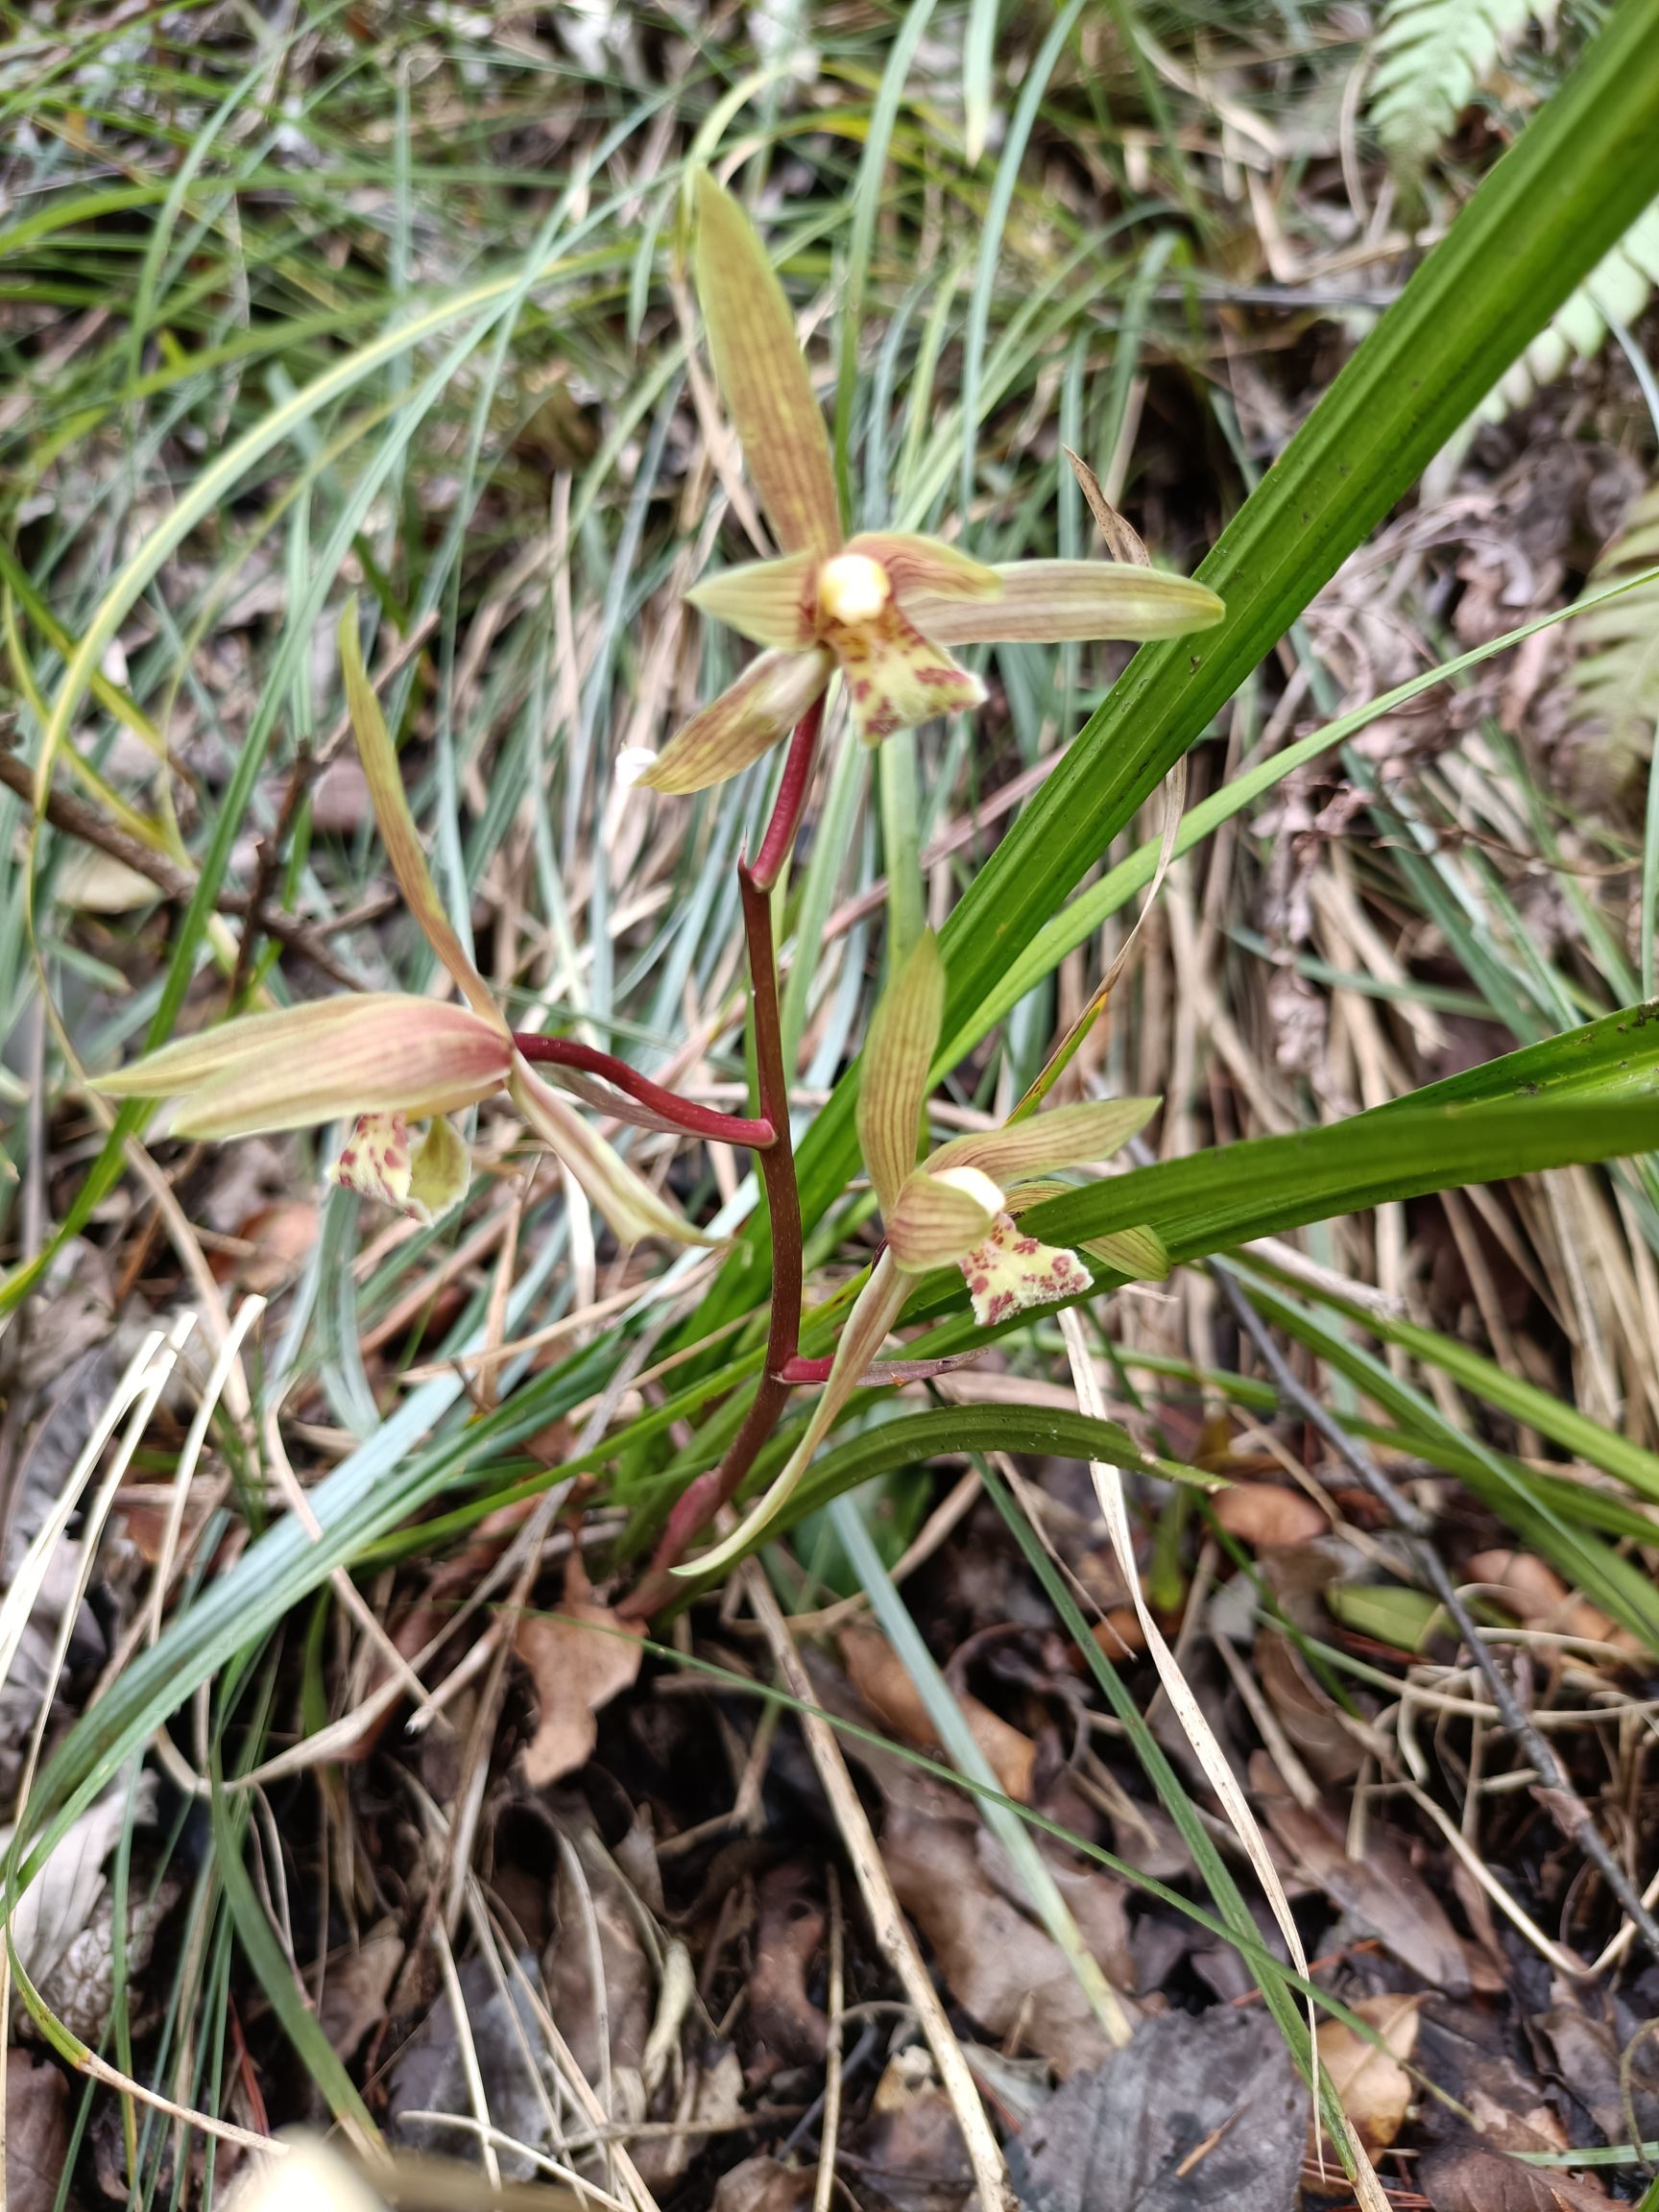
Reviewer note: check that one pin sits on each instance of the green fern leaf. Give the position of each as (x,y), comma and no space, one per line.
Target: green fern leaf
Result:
(1614,682)
(1431,58)
(1616,291)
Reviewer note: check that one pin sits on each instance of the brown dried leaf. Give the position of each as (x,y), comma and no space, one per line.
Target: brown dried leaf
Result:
(1382,1892)
(354,1993)
(789,2028)
(1306,1711)
(36,2131)
(1000,1966)
(764,2185)
(1266,1515)
(579,1659)
(1466,2177)
(1372,2083)
(884,1683)
(1537,1594)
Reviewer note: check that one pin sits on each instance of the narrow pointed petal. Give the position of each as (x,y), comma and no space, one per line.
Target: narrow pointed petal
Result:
(915,564)
(895,677)
(898,1059)
(770,602)
(1065,1136)
(762,377)
(1009,1271)
(380,1160)
(748,719)
(396,825)
(383,1053)
(1048,602)
(188,1062)
(876,1310)
(604,1098)
(626,1200)
(935,1221)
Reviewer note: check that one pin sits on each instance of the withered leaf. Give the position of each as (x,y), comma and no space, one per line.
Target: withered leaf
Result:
(579,1659)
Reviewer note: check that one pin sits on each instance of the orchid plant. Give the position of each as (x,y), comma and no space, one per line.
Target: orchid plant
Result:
(875,612)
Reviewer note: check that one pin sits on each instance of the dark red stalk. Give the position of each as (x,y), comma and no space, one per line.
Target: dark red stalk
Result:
(699,1502)
(696,1120)
(779,841)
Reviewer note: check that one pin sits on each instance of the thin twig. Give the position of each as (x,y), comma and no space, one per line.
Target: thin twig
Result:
(76,819)
(1556,1793)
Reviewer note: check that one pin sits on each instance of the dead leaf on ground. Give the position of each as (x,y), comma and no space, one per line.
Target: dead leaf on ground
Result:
(1198,2112)
(789,2030)
(1467,2176)
(1001,1968)
(357,1985)
(1267,1515)
(909,2156)
(1307,1712)
(595,1913)
(579,1659)
(884,1682)
(1536,1594)
(1372,2083)
(1383,1893)
(764,2185)
(36,2131)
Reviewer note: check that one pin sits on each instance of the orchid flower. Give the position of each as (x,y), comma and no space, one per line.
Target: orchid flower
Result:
(882,606)
(958,1208)
(389,1058)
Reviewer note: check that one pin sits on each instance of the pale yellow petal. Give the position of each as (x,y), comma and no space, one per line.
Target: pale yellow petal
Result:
(874,1313)
(396,825)
(1009,1271)
(626,1200)
(915,564)
(417,1056)
(294,1031)
(1139,1252)
(749,717)
(1048,602)
(762,377)
(770,602)
(935,1221)
(1077,1136)
(898,1055)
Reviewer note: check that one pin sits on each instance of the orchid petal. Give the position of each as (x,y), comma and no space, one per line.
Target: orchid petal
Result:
(396,825)
(625,1199)
(1139,1252)
(423,1180)
(897,1057)
(935,1221)
(1065,1136)
(383,1053)
(762,376)
(748,718)
(604,1098)
(915,563)
(767,601)
(1048,602)
(895,677)
(1011,1270)
(874,1313)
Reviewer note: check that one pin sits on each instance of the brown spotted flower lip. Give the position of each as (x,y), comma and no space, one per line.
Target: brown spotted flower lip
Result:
(882,607)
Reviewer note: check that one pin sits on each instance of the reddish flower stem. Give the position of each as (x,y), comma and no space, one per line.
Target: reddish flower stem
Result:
(779,841)
(699,1502)
(684,1114)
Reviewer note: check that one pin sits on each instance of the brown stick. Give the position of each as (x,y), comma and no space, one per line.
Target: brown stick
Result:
(76,819)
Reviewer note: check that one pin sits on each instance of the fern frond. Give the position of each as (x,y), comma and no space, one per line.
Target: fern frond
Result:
(1431,58)
(1614,682)
(1616,291)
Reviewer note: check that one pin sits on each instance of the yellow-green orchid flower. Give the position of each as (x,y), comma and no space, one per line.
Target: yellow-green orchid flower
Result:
(883,606)
(957,1208)
(389,1058)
